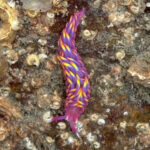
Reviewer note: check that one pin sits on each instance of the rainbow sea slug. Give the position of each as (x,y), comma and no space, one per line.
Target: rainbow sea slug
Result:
(76,77)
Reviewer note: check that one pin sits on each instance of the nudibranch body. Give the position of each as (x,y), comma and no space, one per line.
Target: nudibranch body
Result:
(77,80)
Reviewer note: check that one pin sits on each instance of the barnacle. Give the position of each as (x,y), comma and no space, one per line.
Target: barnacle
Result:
(33,59)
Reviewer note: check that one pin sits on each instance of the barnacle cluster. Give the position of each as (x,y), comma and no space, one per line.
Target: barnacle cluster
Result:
(117,15)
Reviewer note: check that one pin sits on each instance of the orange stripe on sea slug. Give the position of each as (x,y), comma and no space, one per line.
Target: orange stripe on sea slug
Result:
(67,47)
(70,72)
(66,64)
(74,65)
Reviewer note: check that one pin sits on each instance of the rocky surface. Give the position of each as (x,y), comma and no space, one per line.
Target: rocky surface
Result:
(113,40)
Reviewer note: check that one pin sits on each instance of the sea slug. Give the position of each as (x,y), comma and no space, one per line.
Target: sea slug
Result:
(77,80)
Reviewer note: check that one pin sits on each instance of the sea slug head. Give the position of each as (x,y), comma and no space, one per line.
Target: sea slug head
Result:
(72,115)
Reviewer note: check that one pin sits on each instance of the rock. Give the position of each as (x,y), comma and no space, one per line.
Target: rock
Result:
(140,69)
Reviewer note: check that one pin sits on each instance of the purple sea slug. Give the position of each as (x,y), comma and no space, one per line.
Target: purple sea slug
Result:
(77,80)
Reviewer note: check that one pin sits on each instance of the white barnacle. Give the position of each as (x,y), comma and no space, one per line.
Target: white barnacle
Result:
(47,117)
(90,137)
(61,125)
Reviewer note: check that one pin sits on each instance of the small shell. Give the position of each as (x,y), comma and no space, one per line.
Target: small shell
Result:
(101,121)
(32,60)
(32,13)
(50,15)
(61,125)
(96,145)
(91,138)
(49,140)
(120,54)
(47,116)
(64,135)
(89,34)
(94,117)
